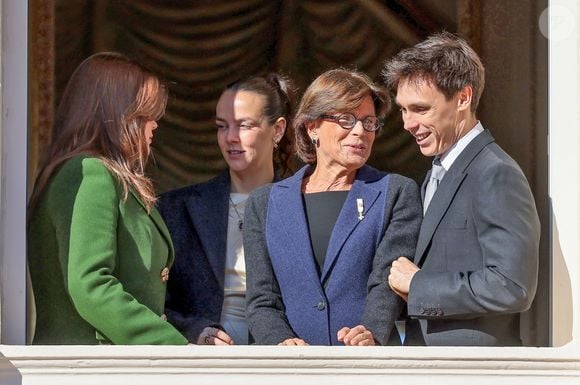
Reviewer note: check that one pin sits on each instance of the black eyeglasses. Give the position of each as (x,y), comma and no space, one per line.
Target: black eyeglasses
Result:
(348,121)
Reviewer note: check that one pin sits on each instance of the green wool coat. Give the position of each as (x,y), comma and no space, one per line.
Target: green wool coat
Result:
(96,262)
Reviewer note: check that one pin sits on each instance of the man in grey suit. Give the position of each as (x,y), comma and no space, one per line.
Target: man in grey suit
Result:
(476,262)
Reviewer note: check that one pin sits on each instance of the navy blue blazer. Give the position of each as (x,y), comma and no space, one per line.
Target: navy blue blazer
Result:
(197,218)
(286,296)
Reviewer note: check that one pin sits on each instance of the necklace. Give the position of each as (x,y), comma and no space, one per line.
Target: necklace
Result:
(240,219)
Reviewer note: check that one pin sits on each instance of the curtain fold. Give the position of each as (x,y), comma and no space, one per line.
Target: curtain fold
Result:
(198,47)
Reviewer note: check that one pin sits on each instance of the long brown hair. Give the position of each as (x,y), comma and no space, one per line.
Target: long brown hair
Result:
(103,112)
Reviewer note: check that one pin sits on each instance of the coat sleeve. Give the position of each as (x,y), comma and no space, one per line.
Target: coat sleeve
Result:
(402,222)
(180,312)
(96,293)
(508,231)
(190,325)
(265,308)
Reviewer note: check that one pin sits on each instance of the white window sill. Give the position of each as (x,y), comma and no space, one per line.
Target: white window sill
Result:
(269,365)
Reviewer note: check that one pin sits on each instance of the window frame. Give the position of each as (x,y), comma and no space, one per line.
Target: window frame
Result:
(564,182)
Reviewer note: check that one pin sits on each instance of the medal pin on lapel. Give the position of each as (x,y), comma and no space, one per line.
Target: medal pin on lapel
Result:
(360,208)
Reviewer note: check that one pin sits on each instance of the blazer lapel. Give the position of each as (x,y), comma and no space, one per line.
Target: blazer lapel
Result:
(348,220)
(446,191)
(439,204)
(208,210)
(160,224)
(287,198)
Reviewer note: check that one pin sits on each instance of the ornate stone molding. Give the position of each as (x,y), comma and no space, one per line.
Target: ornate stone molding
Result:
(287,365)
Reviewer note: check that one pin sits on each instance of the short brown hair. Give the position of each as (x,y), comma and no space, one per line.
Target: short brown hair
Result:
(445,60)
(337,90)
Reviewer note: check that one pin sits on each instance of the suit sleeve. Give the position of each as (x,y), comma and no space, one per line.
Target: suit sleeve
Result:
(508,232)
(403,220)
(265,308)
(97,295)
(189,325)
(185,319)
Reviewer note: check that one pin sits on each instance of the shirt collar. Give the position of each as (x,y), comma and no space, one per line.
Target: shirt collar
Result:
(453,152)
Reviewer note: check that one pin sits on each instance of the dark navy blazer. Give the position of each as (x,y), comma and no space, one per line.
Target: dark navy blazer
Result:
(197,218)
(286,296)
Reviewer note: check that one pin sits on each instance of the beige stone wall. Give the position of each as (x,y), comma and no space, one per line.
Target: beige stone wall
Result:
(564,187)
(13,145)
(514,107)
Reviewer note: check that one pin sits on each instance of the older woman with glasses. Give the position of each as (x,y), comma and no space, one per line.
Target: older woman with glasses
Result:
(320,243)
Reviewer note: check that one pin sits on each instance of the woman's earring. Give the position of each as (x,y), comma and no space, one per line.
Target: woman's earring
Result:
(315,141)
(275,144)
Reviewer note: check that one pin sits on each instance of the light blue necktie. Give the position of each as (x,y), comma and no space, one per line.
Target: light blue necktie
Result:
(437,173)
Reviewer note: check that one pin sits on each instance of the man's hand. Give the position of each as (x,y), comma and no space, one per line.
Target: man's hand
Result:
(402,272)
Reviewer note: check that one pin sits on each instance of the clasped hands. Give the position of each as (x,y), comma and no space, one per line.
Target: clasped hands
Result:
(214,336)
(356,336)
(402,272)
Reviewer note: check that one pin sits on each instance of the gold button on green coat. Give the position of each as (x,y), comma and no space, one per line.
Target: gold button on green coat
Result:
(165,275)
(95,262)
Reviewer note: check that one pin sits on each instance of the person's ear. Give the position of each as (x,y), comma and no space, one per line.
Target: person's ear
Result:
(279,129)
(464,97)
(312,128)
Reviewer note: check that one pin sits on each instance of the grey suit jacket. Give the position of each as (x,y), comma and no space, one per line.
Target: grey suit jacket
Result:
(478,251)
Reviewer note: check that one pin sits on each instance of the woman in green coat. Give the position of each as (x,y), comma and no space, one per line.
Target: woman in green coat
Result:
(98,251)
